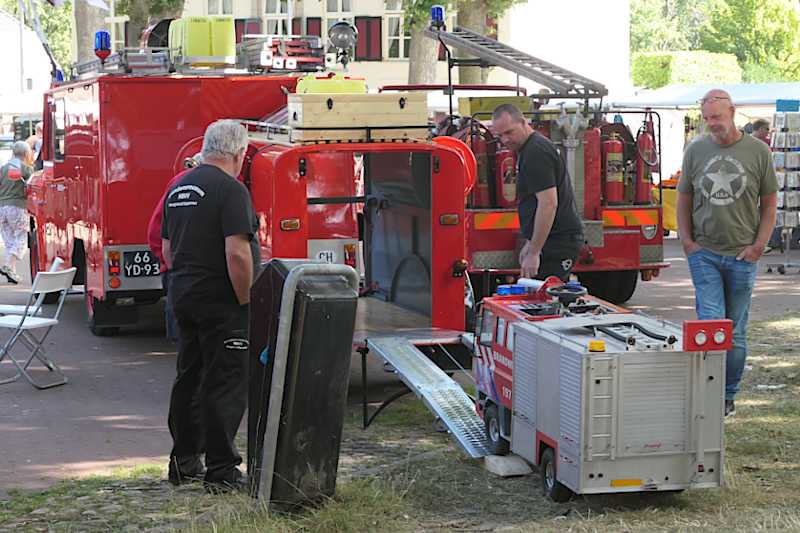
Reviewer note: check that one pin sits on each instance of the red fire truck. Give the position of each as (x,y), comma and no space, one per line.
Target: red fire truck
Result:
(610,167)
(110,145)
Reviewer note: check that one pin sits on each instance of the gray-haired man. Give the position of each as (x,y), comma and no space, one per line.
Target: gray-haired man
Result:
(210,245)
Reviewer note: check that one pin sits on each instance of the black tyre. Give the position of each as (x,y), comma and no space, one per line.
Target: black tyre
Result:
(552,488)
(616,286)
(491,420)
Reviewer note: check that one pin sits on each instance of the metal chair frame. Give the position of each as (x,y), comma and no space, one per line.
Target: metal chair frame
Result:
(31,318)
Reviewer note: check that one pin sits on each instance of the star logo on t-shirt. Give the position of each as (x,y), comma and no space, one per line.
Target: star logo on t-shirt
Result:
(723,180)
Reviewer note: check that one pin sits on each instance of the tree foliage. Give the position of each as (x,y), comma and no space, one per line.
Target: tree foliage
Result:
(657,69)
(659,25)
(762,33)
(56,23)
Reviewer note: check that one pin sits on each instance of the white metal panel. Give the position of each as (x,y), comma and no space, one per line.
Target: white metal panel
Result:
(523,421)
(569,435)
(656,398)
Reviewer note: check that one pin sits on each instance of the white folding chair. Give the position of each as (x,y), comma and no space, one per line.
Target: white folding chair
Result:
(29,320)
(14,309)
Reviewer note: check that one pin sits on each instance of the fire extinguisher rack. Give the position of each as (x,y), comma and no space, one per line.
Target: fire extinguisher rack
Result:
(786,158)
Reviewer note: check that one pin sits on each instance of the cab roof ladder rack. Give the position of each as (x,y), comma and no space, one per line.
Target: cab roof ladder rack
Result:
(562,82)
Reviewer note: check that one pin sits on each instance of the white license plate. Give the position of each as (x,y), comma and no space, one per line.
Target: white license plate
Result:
(140,264)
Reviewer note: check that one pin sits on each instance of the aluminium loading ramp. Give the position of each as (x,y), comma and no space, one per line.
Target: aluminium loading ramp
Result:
(564,83)
(440,393)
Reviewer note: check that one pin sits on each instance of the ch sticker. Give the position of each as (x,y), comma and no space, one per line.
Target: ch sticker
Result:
(566,264)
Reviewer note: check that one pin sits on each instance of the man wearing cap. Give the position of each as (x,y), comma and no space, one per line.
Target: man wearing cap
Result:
(727,201)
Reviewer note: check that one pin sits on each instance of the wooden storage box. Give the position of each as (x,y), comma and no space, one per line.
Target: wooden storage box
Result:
(358,110)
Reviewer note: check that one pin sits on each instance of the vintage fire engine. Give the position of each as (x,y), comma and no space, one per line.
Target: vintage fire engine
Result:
(601,399)
(610,167)
(112,135)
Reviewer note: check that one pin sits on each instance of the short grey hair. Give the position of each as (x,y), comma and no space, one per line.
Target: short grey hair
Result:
(21,150)
(224,139)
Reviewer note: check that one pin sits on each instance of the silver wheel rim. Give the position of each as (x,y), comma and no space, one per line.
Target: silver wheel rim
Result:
(494,430)
(549,476)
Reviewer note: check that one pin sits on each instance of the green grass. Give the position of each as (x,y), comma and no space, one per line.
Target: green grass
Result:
(401,475)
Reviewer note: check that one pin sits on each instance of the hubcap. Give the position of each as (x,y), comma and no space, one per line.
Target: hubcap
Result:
(549,476)
(494,430)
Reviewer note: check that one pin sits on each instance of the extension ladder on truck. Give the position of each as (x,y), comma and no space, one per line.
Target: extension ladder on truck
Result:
(564,83)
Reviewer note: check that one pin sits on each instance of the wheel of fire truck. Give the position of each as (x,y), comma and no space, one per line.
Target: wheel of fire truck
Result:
(552,488)
(491,419)
(96,316)
(616,286)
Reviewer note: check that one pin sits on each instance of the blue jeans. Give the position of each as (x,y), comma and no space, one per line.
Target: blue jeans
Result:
(723,287)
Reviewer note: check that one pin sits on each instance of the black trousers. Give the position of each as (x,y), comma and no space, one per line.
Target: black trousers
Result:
(559,256)
(209,395)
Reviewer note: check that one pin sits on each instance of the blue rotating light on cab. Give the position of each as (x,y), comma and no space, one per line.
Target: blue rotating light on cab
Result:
(437,17)
(102,45)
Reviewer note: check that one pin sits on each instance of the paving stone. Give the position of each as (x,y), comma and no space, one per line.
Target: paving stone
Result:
(507,465)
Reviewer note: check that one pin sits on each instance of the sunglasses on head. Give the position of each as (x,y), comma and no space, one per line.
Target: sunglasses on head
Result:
(712,99)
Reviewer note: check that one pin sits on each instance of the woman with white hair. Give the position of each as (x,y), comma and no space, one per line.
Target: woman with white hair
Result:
(14,222)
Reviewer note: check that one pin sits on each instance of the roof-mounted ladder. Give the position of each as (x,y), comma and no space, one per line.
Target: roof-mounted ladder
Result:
(564,83)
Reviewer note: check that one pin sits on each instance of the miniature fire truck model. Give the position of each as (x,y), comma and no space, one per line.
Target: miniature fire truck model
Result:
(601,399)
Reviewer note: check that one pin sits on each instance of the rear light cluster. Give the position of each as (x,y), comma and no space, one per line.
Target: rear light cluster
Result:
(351,255)
(114,268)
(707,335)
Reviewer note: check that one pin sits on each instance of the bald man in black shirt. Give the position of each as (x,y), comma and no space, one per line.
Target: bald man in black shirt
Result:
(548,218)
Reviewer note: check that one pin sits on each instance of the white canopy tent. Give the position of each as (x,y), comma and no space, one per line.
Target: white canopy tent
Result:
(752,100)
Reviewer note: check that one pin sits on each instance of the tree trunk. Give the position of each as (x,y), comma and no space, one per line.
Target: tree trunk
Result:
(88,20)
(138,20)
(422,57)
(472,15)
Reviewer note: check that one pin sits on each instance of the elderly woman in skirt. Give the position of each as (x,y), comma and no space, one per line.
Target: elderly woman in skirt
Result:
(14,222)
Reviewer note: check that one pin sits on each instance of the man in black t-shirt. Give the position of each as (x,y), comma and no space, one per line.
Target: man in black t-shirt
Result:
(210,245)
(548,219)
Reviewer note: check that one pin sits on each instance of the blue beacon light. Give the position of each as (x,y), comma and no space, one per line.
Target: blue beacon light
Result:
(437,16)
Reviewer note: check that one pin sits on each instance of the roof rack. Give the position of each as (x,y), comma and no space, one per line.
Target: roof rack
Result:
(288,53)
(255,54)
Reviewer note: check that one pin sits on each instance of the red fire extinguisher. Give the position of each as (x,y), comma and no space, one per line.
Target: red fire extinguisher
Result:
(613,170)
(482,145)
(645,161)
(506,176)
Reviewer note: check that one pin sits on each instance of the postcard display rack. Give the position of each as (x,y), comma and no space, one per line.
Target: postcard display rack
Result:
(786,158)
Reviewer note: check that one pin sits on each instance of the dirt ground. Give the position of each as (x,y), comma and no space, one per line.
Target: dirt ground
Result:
(112,413)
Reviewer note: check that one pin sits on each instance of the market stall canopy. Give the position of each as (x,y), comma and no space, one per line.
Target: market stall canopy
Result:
(682,95)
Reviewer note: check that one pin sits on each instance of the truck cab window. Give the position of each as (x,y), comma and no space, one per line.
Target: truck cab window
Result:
(487,328)
(501,332)
(59,130)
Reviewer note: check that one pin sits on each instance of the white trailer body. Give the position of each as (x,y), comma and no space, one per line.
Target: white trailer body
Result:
(642,417)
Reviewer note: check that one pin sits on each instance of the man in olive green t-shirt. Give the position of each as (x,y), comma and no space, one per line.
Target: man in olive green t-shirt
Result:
(726,213)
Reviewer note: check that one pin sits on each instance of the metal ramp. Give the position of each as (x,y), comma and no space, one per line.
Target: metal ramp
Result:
(440,392)
(565,83)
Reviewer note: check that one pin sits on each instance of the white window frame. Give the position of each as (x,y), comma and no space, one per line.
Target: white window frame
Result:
(281,18)
(403,39)
(117,37)
(220,8)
